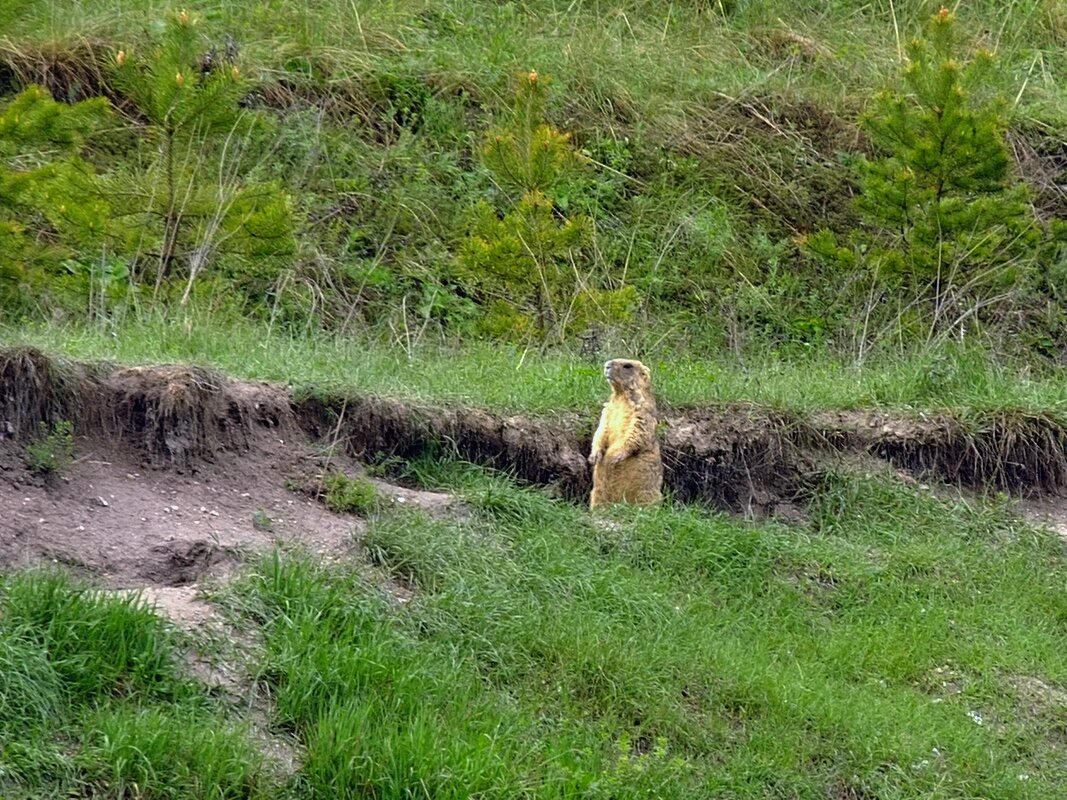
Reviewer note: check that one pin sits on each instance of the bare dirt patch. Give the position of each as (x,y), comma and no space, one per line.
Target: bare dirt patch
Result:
(1047,512)
(129,524)
(178,474)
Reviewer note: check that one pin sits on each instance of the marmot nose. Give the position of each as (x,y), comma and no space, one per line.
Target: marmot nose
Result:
(607,368)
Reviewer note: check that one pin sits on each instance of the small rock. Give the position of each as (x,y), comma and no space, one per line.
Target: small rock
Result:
(100,501)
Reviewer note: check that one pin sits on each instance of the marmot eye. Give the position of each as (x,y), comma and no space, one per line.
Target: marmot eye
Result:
(627,366)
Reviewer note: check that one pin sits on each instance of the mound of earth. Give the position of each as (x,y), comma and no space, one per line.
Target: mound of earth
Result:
(175,474)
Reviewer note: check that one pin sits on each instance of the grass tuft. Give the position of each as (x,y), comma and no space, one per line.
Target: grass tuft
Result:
(175,754)
(93,702)
(346,495)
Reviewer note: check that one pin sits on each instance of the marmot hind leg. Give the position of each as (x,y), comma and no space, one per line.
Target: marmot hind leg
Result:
(645,496)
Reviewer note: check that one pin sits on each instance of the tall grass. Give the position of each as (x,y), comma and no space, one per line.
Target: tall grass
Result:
(661,59)
(512,378)
(93,702)
(876,652)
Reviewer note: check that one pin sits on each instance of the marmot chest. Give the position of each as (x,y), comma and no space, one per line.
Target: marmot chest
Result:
(620,418)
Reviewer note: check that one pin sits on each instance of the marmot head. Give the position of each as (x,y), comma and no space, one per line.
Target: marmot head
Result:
(625,374)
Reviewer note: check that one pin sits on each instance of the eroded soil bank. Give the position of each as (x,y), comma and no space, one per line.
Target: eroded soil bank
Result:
(178,472)
(737,457)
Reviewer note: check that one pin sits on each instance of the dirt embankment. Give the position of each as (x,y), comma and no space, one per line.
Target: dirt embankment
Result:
(176,470)
(175,473)
(737,457)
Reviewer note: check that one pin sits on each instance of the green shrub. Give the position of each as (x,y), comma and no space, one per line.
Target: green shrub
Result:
(51,205)
(349,495)
(193,199)
(527,263)
(947,229)
(53,451)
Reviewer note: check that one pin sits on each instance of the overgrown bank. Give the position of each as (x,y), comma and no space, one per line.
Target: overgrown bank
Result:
(706,175)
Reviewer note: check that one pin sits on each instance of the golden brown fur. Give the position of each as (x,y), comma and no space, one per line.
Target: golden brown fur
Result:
(627,467)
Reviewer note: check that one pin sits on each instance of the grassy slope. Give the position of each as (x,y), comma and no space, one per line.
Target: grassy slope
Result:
(898,646)
(693,655)
(717,128)
(659,57)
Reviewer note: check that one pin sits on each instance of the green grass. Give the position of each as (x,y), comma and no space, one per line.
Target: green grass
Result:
(512,379)
(658,58)
(875,652)
(897,646)
(93,703)
(347,495)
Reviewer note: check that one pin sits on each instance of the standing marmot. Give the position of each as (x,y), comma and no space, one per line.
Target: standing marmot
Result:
(627,467)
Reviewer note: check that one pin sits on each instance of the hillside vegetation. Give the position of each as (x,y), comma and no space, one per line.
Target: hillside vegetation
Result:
(736,174)
(843,219)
